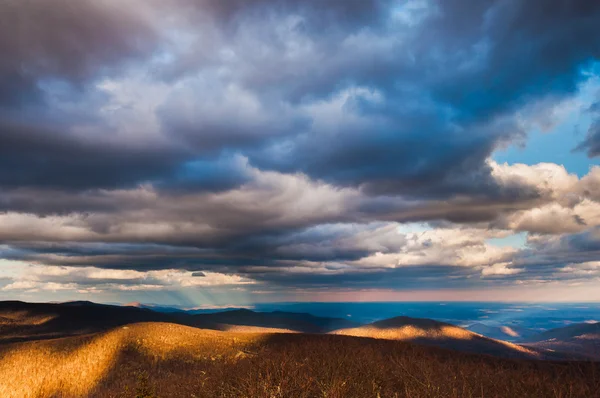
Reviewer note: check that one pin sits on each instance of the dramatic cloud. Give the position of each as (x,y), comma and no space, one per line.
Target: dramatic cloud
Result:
(57,39)
(53,278)
(592,142)
(285,146)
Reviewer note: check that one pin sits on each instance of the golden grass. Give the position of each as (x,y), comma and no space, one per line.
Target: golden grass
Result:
(22,318)
(73,366)
(14,323)
(255,329)
(178,361)
(408,332)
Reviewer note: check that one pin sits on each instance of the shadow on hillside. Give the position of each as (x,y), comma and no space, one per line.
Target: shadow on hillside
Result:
(79,318)
(74,366)
(584,347)
(185,361)
(434,333)
(67,320)
(305,365)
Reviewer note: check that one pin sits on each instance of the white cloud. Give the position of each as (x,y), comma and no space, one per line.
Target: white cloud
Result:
(455,246)
(551,180)
(500,269)
(53,278)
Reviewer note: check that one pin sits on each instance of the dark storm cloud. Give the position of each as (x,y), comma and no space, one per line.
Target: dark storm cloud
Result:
(66,40)
(415,277)
(476,60)
(271,272)
(53,50)
(588,241)
(324,14)
(412,157)
(266,24)
(558,258)
(440,87)
(543,260)
(591,144)
(476,63)
(527,49)
(36,157)
(256,249)
(282,140)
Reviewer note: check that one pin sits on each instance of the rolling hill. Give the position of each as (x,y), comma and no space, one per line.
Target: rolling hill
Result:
(20,321)
(130,351)
(299,322)
(582,339)
(167,360)
(430,332)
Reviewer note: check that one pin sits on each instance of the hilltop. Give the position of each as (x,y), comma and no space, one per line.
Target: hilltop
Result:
(168,360)
(20,321)
(430,332)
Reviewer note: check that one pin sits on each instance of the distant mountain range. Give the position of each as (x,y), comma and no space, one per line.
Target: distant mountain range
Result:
(581,338)
(20,321)
(26,321)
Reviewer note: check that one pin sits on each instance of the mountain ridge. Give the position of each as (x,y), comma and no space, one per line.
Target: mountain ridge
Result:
(21,321)
(582,339)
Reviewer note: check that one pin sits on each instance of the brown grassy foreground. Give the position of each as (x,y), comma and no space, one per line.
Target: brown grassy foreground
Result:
(166,360)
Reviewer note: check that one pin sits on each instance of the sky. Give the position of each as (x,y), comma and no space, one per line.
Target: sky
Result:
(211,153)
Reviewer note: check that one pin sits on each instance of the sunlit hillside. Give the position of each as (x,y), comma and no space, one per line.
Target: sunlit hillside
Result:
(430,332)
(167,360)
(21,321)
(74,366)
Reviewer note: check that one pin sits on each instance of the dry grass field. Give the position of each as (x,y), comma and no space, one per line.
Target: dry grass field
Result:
(166,360)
